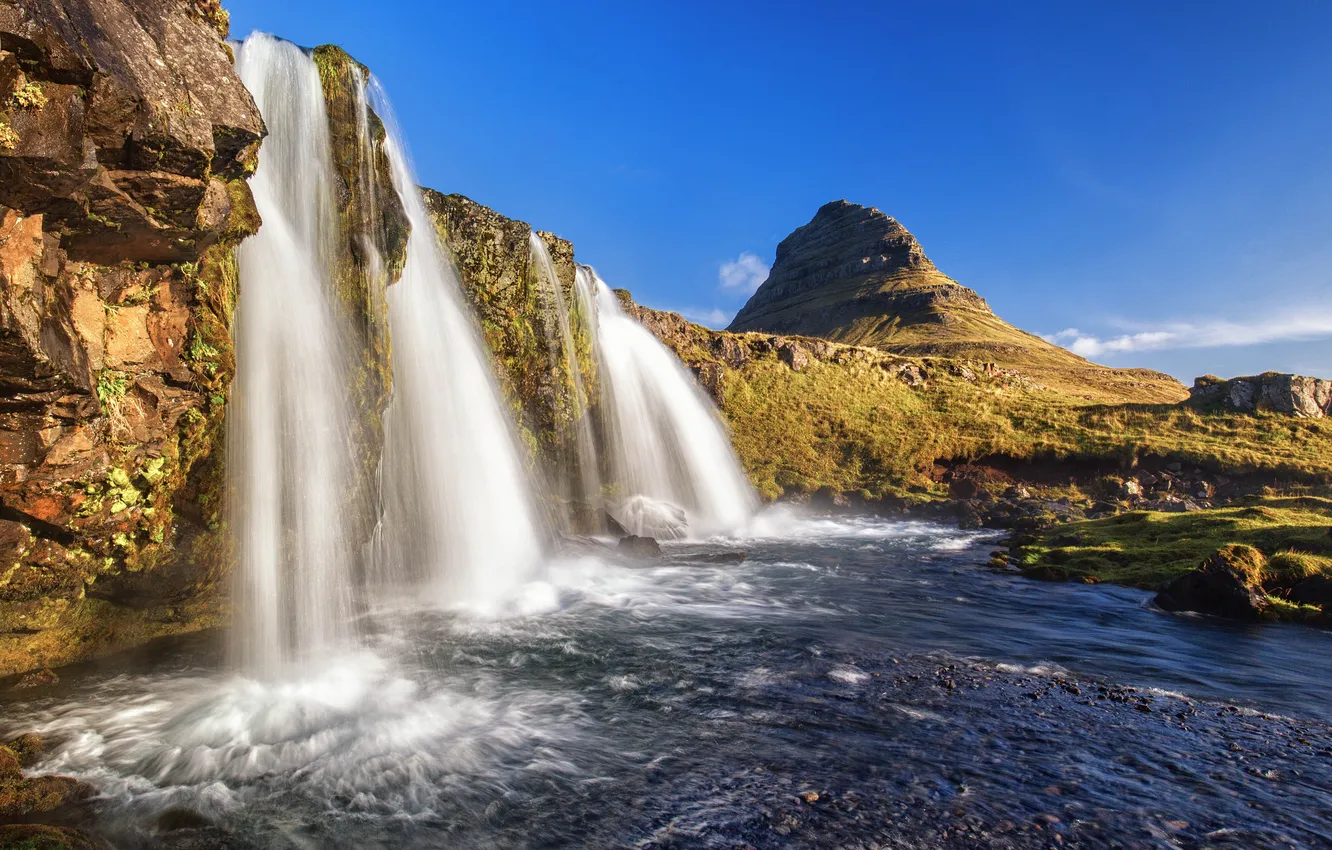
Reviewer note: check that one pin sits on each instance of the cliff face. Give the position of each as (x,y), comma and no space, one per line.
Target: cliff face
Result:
(855,275)
(125,139)
(371,253)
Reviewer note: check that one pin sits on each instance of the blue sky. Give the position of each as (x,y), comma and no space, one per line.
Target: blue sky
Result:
(1156,177)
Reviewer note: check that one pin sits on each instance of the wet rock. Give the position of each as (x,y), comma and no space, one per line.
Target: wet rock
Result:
(613,525)
(36,679)
(969,516)
(1314,590)
(1224,586)
(1046,573)
(176,819)
(639,547)
(28,748)
(830,499)
(21,798)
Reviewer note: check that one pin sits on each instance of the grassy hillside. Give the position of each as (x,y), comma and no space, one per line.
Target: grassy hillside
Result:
(1147,549)
(861,419)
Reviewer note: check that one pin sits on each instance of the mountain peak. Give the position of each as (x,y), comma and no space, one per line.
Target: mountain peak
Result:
(848,271)
(855,275)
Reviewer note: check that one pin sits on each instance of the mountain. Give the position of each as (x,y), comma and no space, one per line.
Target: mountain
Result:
(855,275)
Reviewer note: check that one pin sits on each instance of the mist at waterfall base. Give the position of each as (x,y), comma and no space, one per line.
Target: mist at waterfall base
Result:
(468,688)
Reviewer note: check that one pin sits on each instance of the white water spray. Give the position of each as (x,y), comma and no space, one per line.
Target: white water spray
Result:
(666,449)
(459,518)
(288,438)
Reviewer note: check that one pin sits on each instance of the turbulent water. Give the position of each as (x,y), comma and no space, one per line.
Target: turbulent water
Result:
(669,458)
(288,424)
(691,702)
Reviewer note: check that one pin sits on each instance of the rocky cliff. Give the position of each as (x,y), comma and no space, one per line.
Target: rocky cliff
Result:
(125,140)
(855,275)
(517,310)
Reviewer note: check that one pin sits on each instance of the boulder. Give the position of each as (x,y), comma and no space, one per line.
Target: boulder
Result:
(793,355)
(1226,585)
(141,125)
(1314,590)
(639,547)
(830,499)
(1293,395)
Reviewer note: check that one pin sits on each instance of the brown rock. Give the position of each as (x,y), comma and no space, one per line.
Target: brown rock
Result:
(128,342)
(142,108)
(1293,395)
(793,355)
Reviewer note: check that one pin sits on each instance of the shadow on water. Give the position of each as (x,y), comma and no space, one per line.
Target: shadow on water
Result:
(852,683)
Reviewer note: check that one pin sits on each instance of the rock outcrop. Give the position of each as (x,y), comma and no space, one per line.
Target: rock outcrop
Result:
(517,312)
(1274,392)
(857,276)
(1227,584)
(371,254)
(127,125)
(122,196)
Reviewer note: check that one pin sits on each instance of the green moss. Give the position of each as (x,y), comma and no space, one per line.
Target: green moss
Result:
(112,385)
(9,137)
(28,96)
(1147,549)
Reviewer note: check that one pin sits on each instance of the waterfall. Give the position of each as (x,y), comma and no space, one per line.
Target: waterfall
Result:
(579,475)
(459,519)
(669,459)
(288,424)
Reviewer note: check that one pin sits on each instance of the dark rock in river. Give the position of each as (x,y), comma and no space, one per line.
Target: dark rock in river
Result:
(639,547)
(1224,585)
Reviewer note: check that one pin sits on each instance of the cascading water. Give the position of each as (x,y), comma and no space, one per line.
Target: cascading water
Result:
(288,439)
(668,455)
(458,514)
(581,475)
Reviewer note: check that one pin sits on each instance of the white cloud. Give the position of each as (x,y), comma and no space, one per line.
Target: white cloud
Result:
(714,318)
(745,273)
(1219,333)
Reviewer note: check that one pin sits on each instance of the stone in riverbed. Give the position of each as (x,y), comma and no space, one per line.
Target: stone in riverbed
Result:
(639,547)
